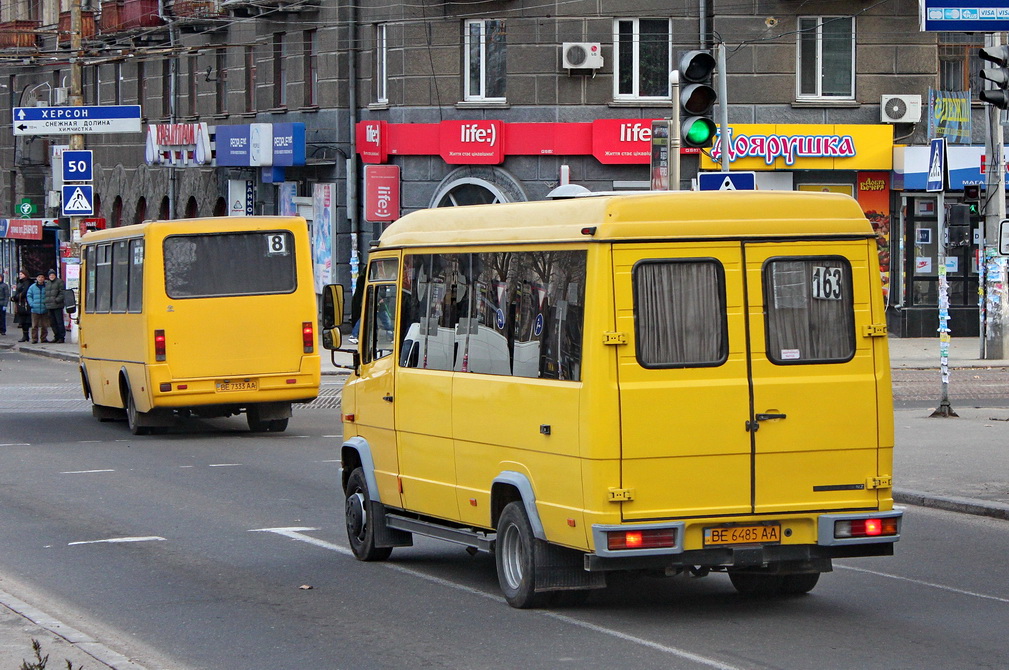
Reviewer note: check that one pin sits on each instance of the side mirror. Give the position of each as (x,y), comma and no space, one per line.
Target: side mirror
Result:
(332,316)
(1003,237)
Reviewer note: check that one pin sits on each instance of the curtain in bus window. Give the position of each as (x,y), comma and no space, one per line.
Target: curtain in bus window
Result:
(103,278)
(810,314)
(136,290)
(247,263)
(680,319)
(89,279)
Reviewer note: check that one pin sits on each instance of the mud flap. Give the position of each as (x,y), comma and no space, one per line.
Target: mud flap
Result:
(562,569)
(385,536)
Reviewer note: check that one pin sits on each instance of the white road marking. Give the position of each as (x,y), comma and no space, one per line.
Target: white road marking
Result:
(332,460)
(295,533)
(84,472)
(941,587)
(224,465)
(16,444)
(335,437)
(116,540)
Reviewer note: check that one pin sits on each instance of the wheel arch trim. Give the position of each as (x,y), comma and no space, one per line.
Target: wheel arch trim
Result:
(363,449)
(525,488)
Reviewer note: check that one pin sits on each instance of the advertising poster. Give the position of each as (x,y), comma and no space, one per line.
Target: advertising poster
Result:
(287,191)
(323,206)
(874,197)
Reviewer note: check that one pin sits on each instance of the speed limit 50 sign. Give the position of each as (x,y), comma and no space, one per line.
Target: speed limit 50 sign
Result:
(77,166)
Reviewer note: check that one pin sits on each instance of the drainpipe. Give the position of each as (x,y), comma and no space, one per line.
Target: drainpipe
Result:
(173,84)
(352,179)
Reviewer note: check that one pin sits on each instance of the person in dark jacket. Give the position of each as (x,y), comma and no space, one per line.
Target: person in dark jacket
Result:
(54,304)
(5,298)
(23,315)
(37,305)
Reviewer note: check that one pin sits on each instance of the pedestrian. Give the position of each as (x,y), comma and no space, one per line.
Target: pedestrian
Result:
(37,305)
(54,300)
(22,314)
(5,297)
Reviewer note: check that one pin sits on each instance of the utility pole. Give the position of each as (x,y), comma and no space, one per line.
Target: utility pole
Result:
(76,86)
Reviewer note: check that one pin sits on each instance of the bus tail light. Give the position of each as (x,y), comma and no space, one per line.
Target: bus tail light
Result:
(159,345)
(308,336)
(866,527)
(641,539)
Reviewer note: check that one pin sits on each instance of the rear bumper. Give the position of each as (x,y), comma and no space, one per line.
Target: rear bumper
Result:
(167,391)
(827,547)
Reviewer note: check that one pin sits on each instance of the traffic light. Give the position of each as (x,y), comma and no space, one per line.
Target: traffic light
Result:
(999,76)
(697,98)
(972,197)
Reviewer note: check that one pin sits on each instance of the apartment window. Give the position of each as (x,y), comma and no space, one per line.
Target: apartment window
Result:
(221,82)
(959,62)
(92,84)
(279,72)
(381,74)
(485,60)
(117,84)
(250,79)
(142,87)
(643,59)
(166,88)
(826,57)
(311,68)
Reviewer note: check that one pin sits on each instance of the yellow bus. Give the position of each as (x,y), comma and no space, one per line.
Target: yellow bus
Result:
(668,383)
(212,316)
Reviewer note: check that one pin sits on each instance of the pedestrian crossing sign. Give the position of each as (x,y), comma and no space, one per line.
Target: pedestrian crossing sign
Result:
(78,200)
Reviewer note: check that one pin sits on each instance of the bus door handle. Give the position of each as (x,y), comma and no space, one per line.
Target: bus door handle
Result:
(754,426)
(387,398)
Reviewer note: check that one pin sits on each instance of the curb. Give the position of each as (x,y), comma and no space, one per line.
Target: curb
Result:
(973,506)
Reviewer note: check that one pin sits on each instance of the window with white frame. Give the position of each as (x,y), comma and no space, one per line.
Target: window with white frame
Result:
(642,59)
(381,74)
(485,60)
(826,56)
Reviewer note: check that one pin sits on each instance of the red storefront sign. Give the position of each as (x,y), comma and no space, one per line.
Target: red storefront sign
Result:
(24,229)
(611,141)
(381,192)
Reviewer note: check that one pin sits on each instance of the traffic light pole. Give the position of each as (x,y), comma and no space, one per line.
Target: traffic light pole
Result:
(723,107)
(674,133)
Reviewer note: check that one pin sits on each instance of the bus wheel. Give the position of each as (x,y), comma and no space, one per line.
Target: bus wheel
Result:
(133,417)
(360,531)
(796,585)
(755,584)
(278,425)
(515,555)
(256,424)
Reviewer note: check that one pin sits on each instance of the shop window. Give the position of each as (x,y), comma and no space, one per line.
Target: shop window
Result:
(165,212)
(192,208)
(117,212)
(141,214)
(643,59)
(220,207)
(485,56)
(826,57)
(469,192)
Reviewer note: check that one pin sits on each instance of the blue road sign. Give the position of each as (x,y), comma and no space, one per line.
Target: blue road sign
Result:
(78,200)
(936,179)
(77,165)
(726,181)
(953,16)
(76,120)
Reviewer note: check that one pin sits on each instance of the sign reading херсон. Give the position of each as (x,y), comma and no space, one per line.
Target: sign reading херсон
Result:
(76,120)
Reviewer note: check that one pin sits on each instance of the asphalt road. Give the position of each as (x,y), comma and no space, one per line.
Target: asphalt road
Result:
(227,530)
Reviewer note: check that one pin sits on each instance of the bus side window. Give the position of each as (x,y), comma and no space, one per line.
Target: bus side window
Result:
(379,322)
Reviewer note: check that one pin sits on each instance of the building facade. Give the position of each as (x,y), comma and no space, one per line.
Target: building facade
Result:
(372,110)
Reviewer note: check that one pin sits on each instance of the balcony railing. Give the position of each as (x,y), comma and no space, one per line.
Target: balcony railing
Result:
(197,11)
(87,27)
(141,14)
(19,34)
(257,7)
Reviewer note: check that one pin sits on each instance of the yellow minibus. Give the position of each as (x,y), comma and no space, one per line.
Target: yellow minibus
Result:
(212,316)
(660,382)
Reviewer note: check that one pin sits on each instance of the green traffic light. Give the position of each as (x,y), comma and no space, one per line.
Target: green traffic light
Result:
(698,131)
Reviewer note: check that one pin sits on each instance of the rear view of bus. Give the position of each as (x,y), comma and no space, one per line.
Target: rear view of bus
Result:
(212,317)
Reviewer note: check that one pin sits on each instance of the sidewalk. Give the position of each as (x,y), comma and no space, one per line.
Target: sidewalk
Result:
(958,464)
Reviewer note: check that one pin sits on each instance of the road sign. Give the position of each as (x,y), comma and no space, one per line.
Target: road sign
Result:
(936,179)
(76,120)
(78,200)
(726,181)
(77,165)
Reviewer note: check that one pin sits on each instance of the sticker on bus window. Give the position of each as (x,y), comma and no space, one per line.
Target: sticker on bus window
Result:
(276,244)
(790,354)
(826,283)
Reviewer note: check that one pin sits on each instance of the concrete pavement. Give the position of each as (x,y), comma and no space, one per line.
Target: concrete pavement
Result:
(959,464)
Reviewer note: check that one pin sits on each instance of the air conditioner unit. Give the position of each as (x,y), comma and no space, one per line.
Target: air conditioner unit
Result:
(60,95)
(581,55)
(900,109)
